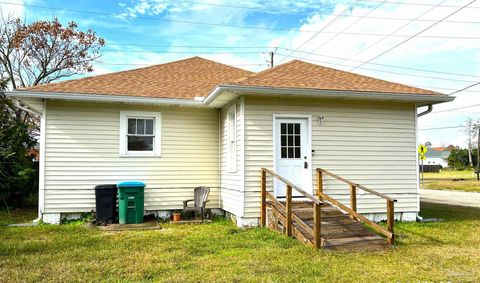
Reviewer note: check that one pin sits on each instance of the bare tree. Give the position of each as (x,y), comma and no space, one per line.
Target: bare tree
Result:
(44,51)
(471,127)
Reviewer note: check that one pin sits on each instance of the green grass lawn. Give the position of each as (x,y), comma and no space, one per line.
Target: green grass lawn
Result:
(17,216)
(424,252)
(450,174)
(444,181)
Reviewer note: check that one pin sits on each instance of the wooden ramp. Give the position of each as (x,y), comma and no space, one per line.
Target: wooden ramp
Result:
(322,221)
(339,231)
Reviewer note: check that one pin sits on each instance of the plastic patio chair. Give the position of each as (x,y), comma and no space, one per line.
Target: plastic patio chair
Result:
(200,195)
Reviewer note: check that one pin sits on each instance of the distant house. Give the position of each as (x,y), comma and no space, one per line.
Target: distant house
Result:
(197,122)
(438,156)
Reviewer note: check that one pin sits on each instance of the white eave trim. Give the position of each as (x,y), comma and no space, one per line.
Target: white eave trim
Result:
(252,90)
(105,98)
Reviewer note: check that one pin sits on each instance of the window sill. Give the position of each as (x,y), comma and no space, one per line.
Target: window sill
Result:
(140,155)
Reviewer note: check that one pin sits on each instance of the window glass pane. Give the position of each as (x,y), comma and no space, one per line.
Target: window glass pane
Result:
(297,140)
(132,126)
(283,141)
(284,128)
(290,152)
(290,140)
(149,127)
(297,152)
(136,143)
(297,129)
(140,126)
(290,128)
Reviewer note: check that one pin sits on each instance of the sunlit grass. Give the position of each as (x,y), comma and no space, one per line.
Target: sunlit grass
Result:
(445,180)
(443,251)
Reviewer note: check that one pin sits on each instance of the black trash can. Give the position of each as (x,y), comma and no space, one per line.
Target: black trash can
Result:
(106,203)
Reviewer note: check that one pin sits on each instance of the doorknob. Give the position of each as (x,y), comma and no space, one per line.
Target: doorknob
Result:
(305,165)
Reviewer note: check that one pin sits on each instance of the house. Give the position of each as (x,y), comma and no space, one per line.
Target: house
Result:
(196,122)
(438,156)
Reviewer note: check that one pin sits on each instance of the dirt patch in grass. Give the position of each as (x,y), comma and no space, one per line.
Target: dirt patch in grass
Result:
(220,252)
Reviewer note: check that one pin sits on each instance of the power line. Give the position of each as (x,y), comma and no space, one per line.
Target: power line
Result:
(323,28)
(458,108)
(252,8)
(180,52)
(349,26)
(398,29)
(153,18)
(441,128)
(285,11)
(442,88)
(190,46)
(415,35)
(419,4)
(386,71)
(384,65)
(238,26)
(465,88)
(150,64)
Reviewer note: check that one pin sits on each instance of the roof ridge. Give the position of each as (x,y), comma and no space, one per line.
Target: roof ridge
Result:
(254,75)
(137,69)
(257,75)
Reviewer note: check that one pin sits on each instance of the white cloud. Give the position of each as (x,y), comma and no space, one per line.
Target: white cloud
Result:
(13,11)
(451,55)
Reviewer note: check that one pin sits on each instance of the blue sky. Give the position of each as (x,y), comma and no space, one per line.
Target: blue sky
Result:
(140,33)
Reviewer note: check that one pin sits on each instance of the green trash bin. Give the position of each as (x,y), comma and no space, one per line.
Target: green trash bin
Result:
(130,202)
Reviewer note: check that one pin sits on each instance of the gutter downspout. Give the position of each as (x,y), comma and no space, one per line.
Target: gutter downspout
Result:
(42,158)
(220,203)
(41,173)
(429,109)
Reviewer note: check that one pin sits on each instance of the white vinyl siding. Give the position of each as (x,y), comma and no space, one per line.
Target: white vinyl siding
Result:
(232,139)
(372,144)
(82,150)
(36,104)
(232,195)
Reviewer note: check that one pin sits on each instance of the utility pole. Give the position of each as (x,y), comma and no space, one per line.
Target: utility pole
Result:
(271,58)
(478,152)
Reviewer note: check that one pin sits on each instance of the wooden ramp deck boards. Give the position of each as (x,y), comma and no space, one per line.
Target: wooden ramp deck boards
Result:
(321,220)
(338,230)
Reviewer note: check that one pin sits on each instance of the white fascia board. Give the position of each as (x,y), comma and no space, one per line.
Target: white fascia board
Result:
(420,99)
(106,98)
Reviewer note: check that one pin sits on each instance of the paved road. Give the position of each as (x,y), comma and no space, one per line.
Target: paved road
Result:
(451,197)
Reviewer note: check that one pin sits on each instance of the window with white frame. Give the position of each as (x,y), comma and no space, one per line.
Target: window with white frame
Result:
(232,140)
(140,133)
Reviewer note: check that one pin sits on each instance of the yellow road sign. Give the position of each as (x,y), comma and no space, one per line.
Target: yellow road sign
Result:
(422,149)
(423,157)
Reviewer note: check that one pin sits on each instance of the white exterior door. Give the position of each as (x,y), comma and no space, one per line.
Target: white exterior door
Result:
(292,151)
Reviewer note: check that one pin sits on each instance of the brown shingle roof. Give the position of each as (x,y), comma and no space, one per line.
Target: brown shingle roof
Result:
(197,77)
(187,78)
(299,74)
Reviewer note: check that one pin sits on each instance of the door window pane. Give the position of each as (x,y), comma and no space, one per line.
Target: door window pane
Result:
(290,140)
(283,126)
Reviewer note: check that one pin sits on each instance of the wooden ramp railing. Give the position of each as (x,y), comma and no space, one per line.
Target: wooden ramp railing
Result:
(287,209)
(297,227)
(352,210)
